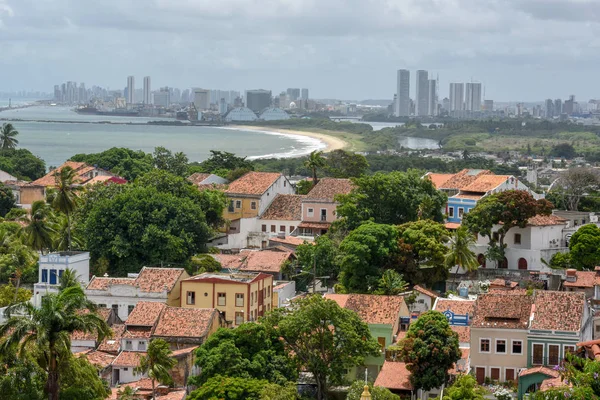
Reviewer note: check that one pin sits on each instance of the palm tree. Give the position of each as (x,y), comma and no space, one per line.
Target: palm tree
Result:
(157,363)
(127,393)
(48,329)
(63,235)
(39,233)
(7,137)
(460,253)
(68,279)
(315,161)
(65,200)
(391,283)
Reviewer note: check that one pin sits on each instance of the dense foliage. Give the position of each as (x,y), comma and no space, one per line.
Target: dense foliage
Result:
(464,388)
(580,378)
(22,164)
(126,163)
(377,392)
(7,200)
(584,248)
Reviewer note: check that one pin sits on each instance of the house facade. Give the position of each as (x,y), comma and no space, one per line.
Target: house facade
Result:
(83,173)
(52,267)
(26,193)
(279,220)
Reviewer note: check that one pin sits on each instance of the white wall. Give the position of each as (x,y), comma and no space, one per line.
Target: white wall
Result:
(286,292)
(123,296)
(137,344)
(281,186)
(127,374)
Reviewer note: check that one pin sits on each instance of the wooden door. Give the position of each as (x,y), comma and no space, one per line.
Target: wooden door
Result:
(480,375)
(510,374)
(495,374)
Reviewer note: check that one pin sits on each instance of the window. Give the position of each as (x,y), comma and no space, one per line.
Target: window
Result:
(510,374)
(421,301)
(484,345)
(230,207)
(252,298)
(191,298)
(239,318)
(130,309)
(538,354)
(141,345)
(221,299)
(381,341)
(273,228)
(517,238)
(450,212)
(292,229)
(60,274)
(517,347)
(282,228)
(45,276)
(553,354)
(311,212)
(102,305)
(284,183)
(238,204)
(568,349)
(268,291)
(253,205)
(500,346)
(115,308)
(264,228)
(461,212)
(128,345)
(53,277)
(323,214)
(239,299)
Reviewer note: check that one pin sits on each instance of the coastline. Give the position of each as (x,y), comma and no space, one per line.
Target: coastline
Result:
(332,143)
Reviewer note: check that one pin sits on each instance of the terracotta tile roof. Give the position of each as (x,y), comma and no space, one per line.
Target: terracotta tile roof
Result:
(585,279)
(464,333)
(558,311)
(113,344)
(394,376)
(229,261)
(102,283)
(103,313)
(592,348)
(128,359)
(253,183)
(544,220)
(372,309)
(285,207)
(502,310)
(81,169)
(499,283)
(426,292)
(327,188)
(485,183)
(438,179)
(150,280)
(265,260)
(463,178)
(184,351)
(400,335)
(540,370)
(467,196)
(236,277)
(552,383)
(197,178)
(137,332)
(315,225)
(291,240)
(452,225)
(460,307)
(145,313)
(98,358)
(184,322)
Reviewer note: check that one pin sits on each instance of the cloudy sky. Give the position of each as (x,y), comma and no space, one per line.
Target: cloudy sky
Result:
(350,49)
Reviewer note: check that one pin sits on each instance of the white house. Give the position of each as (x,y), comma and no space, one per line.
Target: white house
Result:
(424,301)
(52,267)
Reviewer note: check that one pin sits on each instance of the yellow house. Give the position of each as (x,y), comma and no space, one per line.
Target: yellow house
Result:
(241,297)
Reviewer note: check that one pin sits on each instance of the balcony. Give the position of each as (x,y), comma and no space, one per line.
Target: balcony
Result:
(323,218)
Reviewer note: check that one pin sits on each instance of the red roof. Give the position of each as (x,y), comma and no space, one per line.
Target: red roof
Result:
(253,183)
(327,188)
(464,333)
(184,322)
(285,207)
(426,292)
(150,280)
(438,179)
(98,358)
(265,261)
(540,370)
(128,359)
(460,307)
(113,344)
(291,240)
(145,313)
(584,279)
(558,311)
(394,376)
(545,220)
(81,169)
(485,183)
(371,308)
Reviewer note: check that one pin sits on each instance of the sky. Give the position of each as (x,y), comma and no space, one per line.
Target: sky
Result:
(521,50)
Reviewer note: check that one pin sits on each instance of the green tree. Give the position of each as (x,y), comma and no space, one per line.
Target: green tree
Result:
(273,391)
(364,254)
(314,162)
(222,160)
(325,339)
(229,388)
(464,388)
(21,378)
(391,283)
(9,292)
(7,200)
(422,251)
(563,150)
(429,350)
(377,392)
(69,279)
(393,198)
(22,164)
(249,351)
(65,200)
(126,163)
(164,159)
(322,252)
(460,254)
(304,186)
(344,164)
(584,247)
(127,393)
(157,363)
(39,232)
(560,261)
(8,135)
(580,377)
(79,380)
(573,184)
(48,328)
(203,263)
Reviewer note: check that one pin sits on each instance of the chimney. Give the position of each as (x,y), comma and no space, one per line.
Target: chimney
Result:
(571,275)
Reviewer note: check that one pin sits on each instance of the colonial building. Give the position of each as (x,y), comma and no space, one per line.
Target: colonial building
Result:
(52,267)
(266,261)
(26,193)
(84,173)
(280,219)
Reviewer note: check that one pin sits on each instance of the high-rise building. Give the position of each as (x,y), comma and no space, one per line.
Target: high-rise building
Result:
(130,95)
(294,93)
(446,104)
(549,108)
(403,93)
(222,106)
(147,91)
(558,107)
(457,93)
(305,94)
(488,105)
(569,106)
(185,96)
(258,99)
(57,93)
(422,95)
(202,99)
(162,98)
(432,97)
(473,97)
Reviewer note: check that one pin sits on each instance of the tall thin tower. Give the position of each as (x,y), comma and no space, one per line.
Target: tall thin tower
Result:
(403,93)
(147,91)
(130,90)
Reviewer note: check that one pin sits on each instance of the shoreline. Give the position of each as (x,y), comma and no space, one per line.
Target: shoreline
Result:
(332,143)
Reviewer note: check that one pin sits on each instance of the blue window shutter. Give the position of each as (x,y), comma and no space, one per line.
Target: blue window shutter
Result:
(45,276)
(53,277)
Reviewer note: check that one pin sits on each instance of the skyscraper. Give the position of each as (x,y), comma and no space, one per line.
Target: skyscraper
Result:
(305,94)
(473,97)
(147,91)
(258,99)
(457,93)
(294,93)
(432,97)
(202,99)
(549,108)
(558,107)
(130,95)
(403,93)
(422,95)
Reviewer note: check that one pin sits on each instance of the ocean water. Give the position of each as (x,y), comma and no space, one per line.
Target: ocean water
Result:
(56,142)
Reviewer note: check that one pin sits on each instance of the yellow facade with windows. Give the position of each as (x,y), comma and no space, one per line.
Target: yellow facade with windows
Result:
(241,207)
(241,297)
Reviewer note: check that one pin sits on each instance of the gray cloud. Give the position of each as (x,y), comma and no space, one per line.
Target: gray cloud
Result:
(520,49)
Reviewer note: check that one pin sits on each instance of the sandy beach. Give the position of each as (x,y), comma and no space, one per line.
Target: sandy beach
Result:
(333,143)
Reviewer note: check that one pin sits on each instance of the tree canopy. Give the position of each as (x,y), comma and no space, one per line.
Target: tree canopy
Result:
(464,388)
(22,164)
(121,161)
(377,392)
(345,164)
(7,200)
(584,247)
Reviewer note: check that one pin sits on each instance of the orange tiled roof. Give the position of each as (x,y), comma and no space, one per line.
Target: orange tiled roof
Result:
(315,225)
(151,280)
(501,283)
(113,344)
(327,188)
(438,179)
(485,183)
(184,322)
(592,347)
(463,178)
(468,196)
(585,279)
(426,292)
(253,183)
(464,333)
(285,207)
(98,358)
(371,308)
(265,260)
(552,383)
(102,312)
(81,169)
(460,307)
(502,310)
(102,283)
(128,359)
(540,370)
(229,261)
(137,332)
(197,178)
(544,220)
(452,225)
(145,313)
(394,375)
(558,311)
(291,240)
(184,351)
